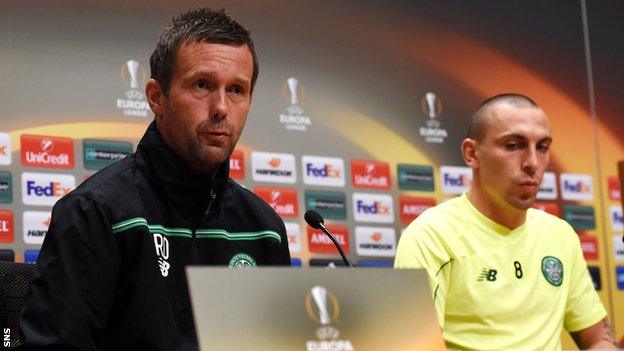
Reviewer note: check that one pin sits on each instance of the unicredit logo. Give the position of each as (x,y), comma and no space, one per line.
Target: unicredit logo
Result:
(43,151)
(370,174)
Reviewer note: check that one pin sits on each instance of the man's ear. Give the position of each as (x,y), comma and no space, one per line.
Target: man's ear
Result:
(155,97)
(469,153)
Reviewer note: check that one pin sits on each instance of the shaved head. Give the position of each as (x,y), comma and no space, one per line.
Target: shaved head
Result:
(479,120)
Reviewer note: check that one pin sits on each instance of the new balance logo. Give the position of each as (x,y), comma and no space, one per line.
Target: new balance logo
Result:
(487,274)
(162,252)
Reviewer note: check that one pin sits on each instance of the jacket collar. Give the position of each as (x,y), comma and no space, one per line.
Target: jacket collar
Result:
(170,175)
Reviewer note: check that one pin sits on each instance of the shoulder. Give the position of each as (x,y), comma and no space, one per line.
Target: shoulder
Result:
(551,224)
(441,218)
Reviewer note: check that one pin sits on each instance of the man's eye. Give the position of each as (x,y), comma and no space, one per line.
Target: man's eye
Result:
(237,89)
(512,146)
(201,84)
(543,148)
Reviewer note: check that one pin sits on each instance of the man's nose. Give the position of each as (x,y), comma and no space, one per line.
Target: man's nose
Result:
(219,105)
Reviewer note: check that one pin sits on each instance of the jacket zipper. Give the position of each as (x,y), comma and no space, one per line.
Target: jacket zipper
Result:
(213,197)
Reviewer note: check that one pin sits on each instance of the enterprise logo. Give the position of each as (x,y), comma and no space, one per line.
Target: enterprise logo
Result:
(328,171)
(44,188)
(101,153)
(273,167)
(47,151)
(576,187)
(455,180)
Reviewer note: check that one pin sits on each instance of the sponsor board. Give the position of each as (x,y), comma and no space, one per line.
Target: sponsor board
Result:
(6,187)
(329,204)
(370,174)
(237,165)
(548,188)
(293,233)
(98,154)
(7,256)
(30,256)
(455,180)
(613,186)
(283,200)
(35,224)
(47,151)
(594,272)
(375,208)
(321,243)
(6,226)
(616,216)
(589,245)
(576,186)
(432,132)
(5,149)
(326,171)
(619,277)
(548,207)
(273,167)
(45,189)
(618,248)
(375,241)
(580,217)
(412,207)
(415,177)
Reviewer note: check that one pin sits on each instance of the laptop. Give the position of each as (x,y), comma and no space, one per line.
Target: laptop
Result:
(313,309)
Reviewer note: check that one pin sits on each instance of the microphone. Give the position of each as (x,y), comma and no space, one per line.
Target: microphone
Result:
(315,221)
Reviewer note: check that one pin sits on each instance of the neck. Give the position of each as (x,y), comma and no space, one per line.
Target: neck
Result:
(498,211)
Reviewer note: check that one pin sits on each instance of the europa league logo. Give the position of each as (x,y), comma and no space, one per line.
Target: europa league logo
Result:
(133,74)
(431,105)
(293,91)
(323,308)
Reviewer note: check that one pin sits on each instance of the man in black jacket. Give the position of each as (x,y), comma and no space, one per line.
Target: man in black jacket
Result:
(110,274)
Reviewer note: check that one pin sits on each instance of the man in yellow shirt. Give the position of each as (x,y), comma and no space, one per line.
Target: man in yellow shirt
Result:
(504,275)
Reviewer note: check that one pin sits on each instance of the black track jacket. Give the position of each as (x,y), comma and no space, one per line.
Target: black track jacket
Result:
(110,274)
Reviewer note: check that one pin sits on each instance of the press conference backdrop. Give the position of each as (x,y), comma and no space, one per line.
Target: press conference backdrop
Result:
(358,112)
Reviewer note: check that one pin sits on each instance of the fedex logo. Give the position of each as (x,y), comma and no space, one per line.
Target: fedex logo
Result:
(328,171)
(237,165)
(273,167)
(319,242)
(5,149)
(45,189)
(589,245)
(283,200)
(412,207)
(613,184)
(46,151)
(35,224)
(376,208)
(617,219)
(293,234)
(576,186)
(455,180)
(370,174)
(548,188)
(6,226)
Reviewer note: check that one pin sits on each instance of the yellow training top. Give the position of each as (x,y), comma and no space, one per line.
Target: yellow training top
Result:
(501,289)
